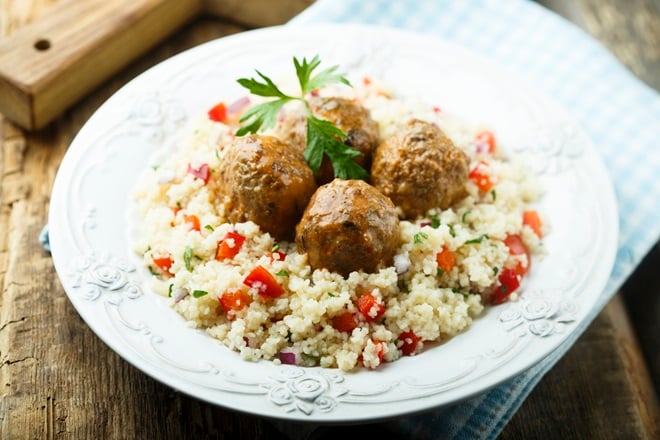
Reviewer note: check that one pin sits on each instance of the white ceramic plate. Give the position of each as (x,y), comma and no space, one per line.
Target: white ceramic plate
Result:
(89,226)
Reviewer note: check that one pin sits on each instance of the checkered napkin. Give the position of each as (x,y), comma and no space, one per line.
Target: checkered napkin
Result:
(618,112)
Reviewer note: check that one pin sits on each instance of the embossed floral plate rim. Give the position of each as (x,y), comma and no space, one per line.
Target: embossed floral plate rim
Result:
(91,223)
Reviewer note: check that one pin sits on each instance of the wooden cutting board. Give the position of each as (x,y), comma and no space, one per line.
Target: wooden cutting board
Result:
(48,65)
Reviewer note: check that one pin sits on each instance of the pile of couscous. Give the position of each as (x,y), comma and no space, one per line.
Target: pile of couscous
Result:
(260,297)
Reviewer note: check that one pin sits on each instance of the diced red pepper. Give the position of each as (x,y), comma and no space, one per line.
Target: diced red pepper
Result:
(203,172)
(370,307)
(480,177)
(229,246)
(164,263)
(446,259)
(533,220)
(517,247)
(407,342)
(487,138)
(234,300)
(509,282)
(265,283)
(345,322)
(380,353)
(192,221)
(381,350)
(218,113)
(366,80)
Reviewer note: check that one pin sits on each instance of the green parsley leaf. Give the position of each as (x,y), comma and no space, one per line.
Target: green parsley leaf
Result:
(323,137)
(451,230)
(464,217)
(331,294)
(308,83)
(263,116)
(441,271)
(187,256)
(282,273)
(209,227)
(494,194)
(477,240)
(419,237)
(458,292)
(266,88)
(495,270)
(435,222)
(199,293)
(169,290)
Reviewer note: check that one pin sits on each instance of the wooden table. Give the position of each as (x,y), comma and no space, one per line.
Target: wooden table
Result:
(59,380)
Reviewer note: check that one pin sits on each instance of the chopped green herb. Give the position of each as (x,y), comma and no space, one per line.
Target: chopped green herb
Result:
(495,270)
(403,286)
(441,271)
(419,237)
(288,336)
(209,227)
(331,294)
(275,248)
(458,292)
(464,217)
(154,167)
(178,205)
(169,290)
(217,154)
(152,271)
(451,230)
(435,222)
(187,256)
(323,137)
(199,293)
(494,194)
(282,273)
(477,240)
(311,357)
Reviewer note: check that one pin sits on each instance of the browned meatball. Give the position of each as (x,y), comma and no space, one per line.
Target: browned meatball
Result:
(348,226)
(292,129)
(419,168)
(267,182)
(351,117)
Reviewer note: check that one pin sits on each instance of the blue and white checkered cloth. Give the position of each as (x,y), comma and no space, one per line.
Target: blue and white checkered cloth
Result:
(618,112)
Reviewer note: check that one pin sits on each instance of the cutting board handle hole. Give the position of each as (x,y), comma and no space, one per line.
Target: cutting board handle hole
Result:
(42,44)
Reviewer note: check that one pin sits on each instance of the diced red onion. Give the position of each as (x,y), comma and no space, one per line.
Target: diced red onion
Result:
(401,263)
(179,294)
(289,356)
(425,223)
(238,105)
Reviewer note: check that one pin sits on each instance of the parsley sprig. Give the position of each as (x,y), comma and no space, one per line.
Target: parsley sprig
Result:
(323,137)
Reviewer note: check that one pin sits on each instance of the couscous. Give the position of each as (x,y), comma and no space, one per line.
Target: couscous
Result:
(257,293)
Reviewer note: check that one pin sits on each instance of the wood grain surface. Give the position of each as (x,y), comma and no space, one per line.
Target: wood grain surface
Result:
(58,380)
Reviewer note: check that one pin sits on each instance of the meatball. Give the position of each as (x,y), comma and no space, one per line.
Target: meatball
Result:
(349,226)
(419,168)
(265,181)
(351,117)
